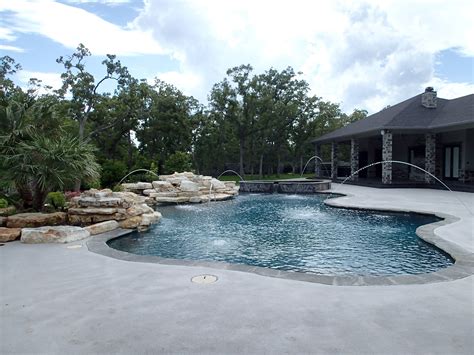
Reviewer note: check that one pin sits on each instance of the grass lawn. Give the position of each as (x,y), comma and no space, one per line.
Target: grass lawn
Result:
(235,178)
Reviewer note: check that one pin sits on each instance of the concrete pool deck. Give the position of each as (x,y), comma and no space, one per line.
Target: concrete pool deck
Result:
(55,299)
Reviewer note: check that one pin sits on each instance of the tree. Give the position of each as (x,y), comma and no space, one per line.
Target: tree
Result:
(47,164)
(8,67)
(241,98)
(282,103)
(178,162)
(168,125)
(82,85)
(38,156)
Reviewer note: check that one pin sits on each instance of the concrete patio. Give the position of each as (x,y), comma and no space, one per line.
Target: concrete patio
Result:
(54,299)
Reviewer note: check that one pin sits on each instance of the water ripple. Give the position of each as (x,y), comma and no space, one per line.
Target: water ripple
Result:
(291,233)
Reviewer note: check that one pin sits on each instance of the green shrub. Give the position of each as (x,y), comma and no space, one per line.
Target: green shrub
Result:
(94,184)
(112,172)
(3,203)
(179,162)
(117,188)
(56,199)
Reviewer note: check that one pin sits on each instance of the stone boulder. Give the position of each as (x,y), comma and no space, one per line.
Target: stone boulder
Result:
(25,220)
(182,199)
(138,186)
(148,219)
(102,227)
(9,234)
(217,184)
(137,210)
(124,208)
(53,234)
(187,187)
(3,221)
(163,186)
(131,223)
(220,197)
(89,201)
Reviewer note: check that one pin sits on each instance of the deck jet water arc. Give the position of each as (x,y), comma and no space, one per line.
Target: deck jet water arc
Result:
(135,171)
(313,157)
(409,164)
(231,171)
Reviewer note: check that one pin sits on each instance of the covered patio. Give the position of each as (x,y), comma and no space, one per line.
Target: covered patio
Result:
(436,137)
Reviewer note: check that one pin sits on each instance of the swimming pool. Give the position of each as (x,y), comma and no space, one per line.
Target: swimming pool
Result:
(293,233)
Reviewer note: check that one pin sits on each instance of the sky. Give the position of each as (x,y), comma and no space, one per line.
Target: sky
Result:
(363,54)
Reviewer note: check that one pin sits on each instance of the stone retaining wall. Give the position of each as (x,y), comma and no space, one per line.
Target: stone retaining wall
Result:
(285,187)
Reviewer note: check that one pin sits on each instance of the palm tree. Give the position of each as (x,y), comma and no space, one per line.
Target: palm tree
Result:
(39,160)
(49,164)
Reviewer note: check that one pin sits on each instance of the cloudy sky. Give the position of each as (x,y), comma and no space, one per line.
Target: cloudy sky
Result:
(362,54)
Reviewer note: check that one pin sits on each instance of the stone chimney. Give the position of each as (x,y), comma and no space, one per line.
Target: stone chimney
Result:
(428,98)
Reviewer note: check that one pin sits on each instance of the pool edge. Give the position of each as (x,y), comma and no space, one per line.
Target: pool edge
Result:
(462,267)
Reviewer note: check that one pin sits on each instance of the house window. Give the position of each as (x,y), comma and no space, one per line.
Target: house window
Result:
(452,157)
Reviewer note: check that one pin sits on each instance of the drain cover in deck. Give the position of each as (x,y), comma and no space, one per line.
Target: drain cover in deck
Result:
(74,246)
(204,279)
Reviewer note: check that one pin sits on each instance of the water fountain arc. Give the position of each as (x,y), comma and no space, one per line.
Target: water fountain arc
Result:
(405,163)
(309,160)
(231,171)
(135,171)
(226,171)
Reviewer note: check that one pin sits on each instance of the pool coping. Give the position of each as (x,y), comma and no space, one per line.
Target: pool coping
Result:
(462,267)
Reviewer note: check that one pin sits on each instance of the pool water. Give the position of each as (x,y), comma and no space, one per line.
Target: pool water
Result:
(293,233)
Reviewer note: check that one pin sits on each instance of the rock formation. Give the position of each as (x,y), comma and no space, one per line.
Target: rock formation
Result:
(53,234)
(9,234)
(31,220)
(127,208)
(183,188)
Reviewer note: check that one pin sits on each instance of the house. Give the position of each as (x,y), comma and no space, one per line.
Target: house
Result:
(432,133)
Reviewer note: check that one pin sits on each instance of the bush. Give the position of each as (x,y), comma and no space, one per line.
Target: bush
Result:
(3,203)
(112,172)
(94,184)
(56,200)
(178,162)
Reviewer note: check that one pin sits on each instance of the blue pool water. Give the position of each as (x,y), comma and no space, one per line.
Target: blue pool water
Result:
(293,233)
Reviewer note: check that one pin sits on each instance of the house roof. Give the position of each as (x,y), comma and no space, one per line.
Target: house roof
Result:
(410,115)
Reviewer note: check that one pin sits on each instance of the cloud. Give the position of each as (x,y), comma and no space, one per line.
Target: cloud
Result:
(7,34)
(70,26)
(363,54)
(106,2)
(187,82)
(11,48)
(449,90)
(47,78)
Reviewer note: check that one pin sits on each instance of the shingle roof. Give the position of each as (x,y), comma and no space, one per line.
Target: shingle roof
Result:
(410,115)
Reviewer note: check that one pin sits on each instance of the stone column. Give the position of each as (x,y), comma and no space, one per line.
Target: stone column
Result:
(430,156)
(386,155)
(317,162)
(354,159)
(334,162)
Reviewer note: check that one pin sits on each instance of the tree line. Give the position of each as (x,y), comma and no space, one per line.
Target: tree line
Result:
(255,123)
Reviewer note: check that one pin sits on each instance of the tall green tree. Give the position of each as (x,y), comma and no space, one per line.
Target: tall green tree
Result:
(82,85)
(169,123)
